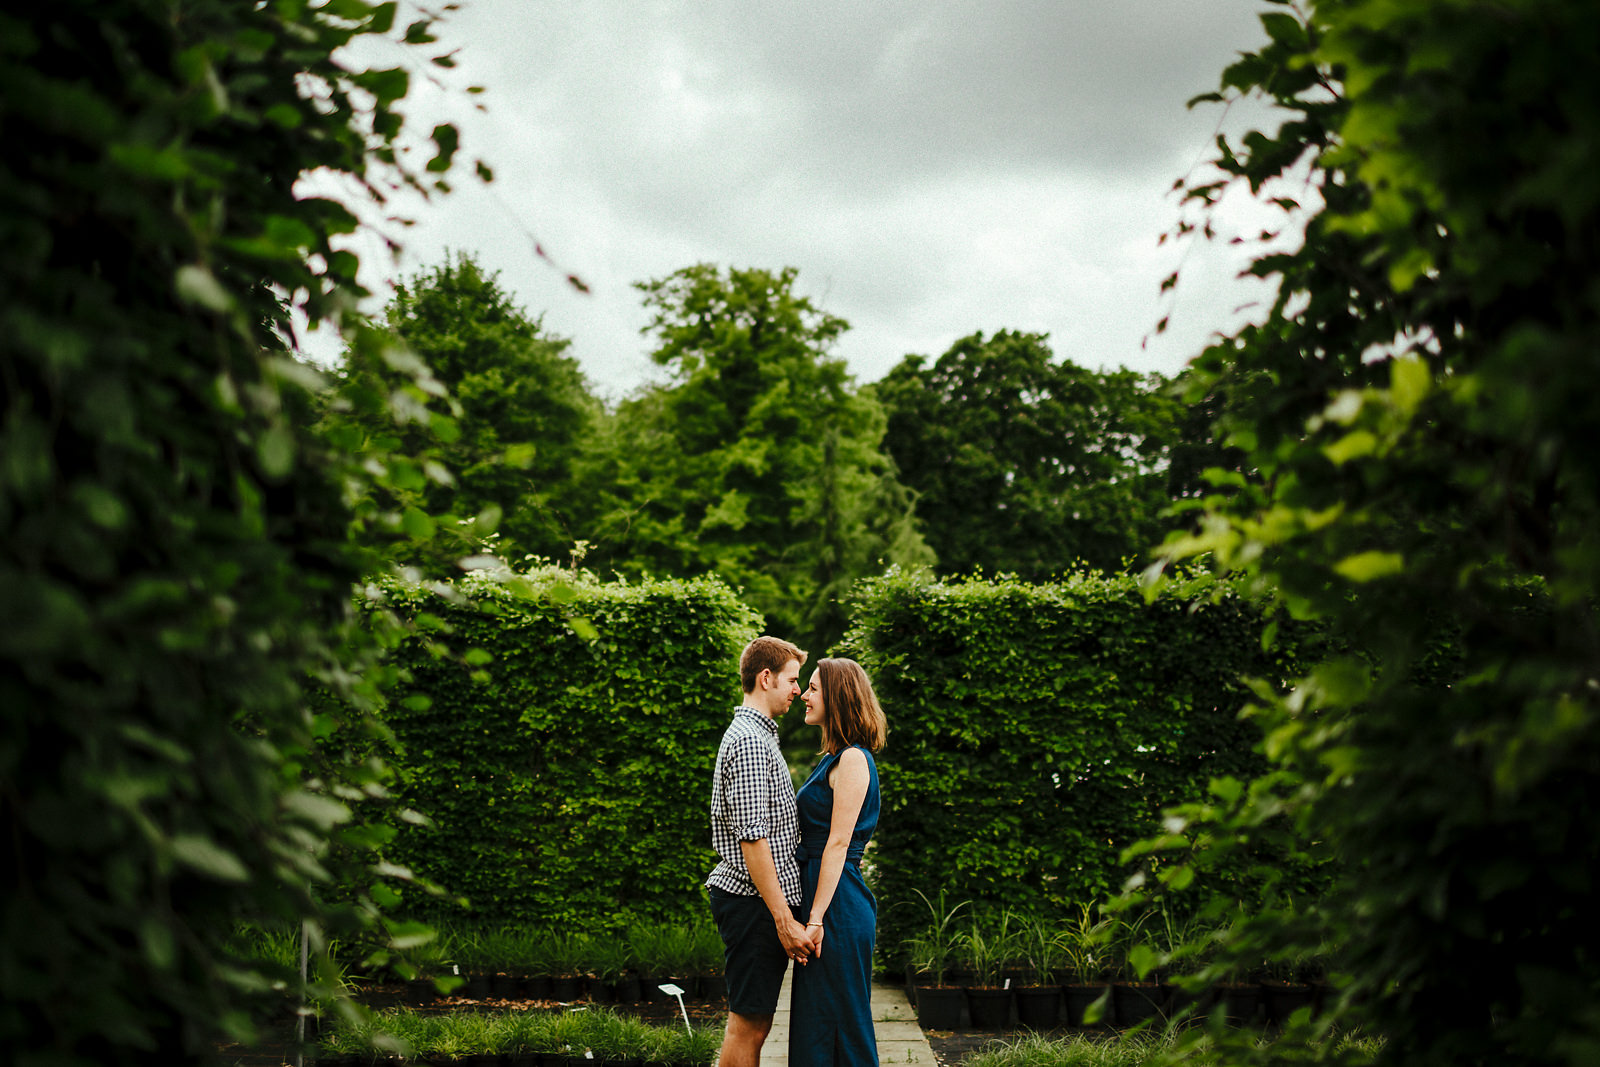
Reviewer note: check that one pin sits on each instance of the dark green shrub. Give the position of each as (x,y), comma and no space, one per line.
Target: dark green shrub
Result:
(563,746)
(1037,730)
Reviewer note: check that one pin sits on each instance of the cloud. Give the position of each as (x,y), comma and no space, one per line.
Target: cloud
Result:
(932,168)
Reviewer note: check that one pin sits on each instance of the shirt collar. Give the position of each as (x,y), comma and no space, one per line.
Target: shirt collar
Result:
(760,716)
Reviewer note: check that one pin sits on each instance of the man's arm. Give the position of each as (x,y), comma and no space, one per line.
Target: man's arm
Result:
(764,873)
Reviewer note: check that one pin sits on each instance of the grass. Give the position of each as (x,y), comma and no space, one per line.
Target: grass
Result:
(1078,1050)
(1153,1049)
(608,1035)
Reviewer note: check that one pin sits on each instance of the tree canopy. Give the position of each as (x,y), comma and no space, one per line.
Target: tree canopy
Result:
(523,412)
(1417,411)
(1025,464)
(759,460)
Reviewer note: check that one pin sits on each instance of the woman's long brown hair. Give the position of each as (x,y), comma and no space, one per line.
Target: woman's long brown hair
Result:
(851,714)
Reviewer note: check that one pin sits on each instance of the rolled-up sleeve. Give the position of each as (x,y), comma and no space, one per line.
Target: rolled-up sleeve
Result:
(745,793)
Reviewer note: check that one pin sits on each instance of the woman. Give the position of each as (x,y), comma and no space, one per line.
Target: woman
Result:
(830,1016)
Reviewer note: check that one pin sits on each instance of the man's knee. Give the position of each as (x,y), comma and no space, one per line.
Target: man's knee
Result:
(741,1047)
(749,1027)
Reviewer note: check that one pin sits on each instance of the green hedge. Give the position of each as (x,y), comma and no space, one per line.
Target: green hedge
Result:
(1038,730)
(560,734)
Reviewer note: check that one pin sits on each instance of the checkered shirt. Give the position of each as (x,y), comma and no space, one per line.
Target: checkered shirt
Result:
(752,797)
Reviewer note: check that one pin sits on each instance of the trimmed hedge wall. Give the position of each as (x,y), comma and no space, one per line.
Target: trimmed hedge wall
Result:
(1038,730)
(560,733)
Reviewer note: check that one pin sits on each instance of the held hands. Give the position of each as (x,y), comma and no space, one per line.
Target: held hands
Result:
(796,943)
(814,933)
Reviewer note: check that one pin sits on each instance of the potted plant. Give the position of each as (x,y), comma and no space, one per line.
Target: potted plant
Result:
(705,963)
(650,944)
(568,957)
(473,952)
(611,962)
(1136,998)
(1085,994)
(1038,998)
(939,1005)
(1186,948)
(984,954)
(1286,988)
(432,966)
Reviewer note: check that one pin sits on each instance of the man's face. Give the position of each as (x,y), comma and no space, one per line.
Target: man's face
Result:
(785,687)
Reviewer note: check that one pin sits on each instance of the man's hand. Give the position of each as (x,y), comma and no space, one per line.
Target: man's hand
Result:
(793,936)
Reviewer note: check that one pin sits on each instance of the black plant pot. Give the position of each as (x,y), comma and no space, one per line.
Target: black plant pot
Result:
(504,986)
(1281,1001)
(1241,1004)
(989,1007)
(629,989)
(1078,999)
(421,991)
(713,988)
(1190,1007)
(566,987)
(1136,1003)
(1039,1006)
(939,1007)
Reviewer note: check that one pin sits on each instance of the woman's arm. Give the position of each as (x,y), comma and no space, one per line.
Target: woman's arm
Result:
(850,781)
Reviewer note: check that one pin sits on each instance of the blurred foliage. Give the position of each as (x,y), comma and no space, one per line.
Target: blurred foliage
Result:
(177,546)
(759,461)
(1022,464)
(1416,409)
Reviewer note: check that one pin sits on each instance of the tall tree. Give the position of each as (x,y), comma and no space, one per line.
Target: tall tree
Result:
(1418,409)
(523,408)
(1025,464)
(759,460)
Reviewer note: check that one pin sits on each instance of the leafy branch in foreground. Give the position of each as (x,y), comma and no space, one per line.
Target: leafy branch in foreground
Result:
(1416,411)
(178,545)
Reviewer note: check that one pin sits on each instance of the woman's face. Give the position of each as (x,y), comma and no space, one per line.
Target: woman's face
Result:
(813,699)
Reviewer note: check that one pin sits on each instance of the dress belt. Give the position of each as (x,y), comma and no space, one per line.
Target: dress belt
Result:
(853,857)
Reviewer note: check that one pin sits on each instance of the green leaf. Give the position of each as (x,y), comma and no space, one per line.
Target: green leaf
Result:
(447,138)
(209,858)
(275,450)
(1409,382)
(322,812)
(416,524)
(197,285)
(409,935)
(1351,446)
(1285,29)
(1370,566)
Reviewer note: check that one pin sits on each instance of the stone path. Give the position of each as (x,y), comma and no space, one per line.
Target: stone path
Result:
(900,1039)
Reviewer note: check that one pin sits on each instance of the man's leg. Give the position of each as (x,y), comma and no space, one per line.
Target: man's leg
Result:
(755,963)
(741,1045)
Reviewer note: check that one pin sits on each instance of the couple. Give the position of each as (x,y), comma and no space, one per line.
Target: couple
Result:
(789,886)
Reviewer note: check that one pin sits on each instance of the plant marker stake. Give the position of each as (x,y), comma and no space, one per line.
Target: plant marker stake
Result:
(673,991)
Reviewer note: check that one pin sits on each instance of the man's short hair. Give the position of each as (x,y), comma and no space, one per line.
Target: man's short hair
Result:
(765,654)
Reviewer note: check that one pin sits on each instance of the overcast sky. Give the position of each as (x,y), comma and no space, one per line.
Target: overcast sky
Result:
(932,168)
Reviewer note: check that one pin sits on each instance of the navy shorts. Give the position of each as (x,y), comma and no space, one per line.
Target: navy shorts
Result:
(753,957)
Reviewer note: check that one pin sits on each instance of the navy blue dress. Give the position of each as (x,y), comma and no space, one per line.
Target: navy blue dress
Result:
(830,1015)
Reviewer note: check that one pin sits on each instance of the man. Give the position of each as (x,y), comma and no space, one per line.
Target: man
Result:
(755,890)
